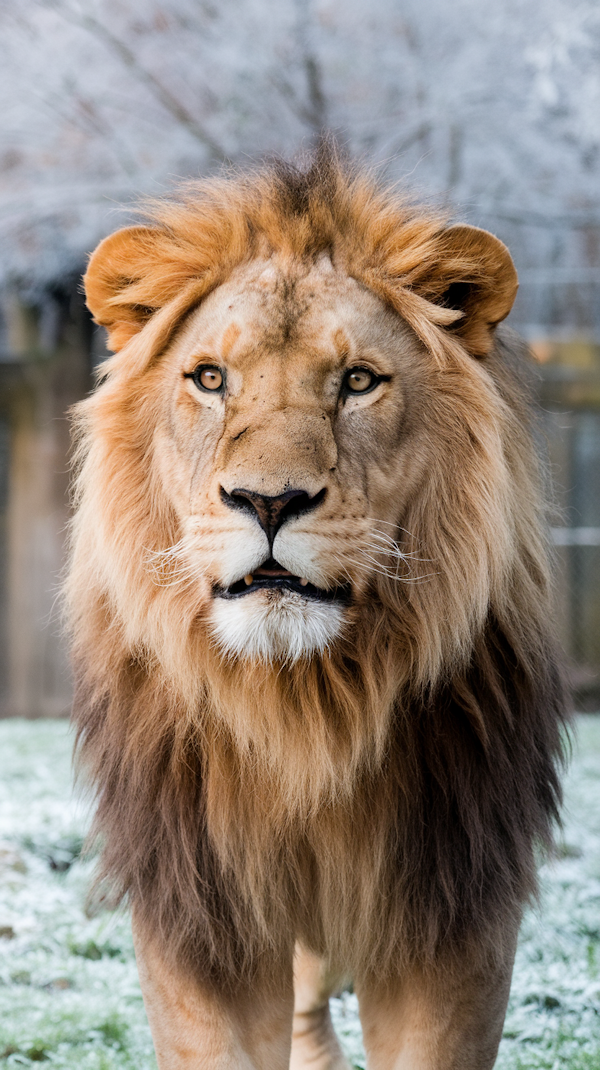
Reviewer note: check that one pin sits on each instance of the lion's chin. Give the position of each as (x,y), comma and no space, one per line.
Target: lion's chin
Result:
(275,625)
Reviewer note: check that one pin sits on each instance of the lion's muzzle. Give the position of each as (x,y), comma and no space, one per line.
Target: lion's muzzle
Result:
(272,613)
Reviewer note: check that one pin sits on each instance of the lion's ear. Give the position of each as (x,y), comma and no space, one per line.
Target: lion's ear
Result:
(112,281)
(474,274)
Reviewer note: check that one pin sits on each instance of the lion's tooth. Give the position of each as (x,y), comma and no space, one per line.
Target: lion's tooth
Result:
(248,579)
(303,582)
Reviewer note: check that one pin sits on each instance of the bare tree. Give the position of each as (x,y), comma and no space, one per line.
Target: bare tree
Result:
(492,106)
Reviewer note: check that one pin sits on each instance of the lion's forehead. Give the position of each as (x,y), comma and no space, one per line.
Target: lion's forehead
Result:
(269,308)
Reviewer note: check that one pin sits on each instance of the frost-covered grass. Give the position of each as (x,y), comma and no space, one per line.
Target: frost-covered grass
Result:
(68,985)
(69,992)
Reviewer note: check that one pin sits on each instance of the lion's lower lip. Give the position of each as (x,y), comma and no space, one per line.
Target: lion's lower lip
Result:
(289,583)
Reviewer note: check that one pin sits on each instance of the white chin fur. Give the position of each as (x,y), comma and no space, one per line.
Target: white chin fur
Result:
(274,625)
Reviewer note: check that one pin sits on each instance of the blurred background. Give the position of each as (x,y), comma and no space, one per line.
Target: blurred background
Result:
(490,107)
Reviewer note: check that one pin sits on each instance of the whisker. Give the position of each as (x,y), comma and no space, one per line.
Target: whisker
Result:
(393,575)
(171,567)
(380,564)
(389,548)
(377,552)
(375,569)
(388,524)
(399,554)
(378,569)
(393,547)
(387,540)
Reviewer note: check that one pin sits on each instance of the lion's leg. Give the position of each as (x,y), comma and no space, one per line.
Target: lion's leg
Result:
(194,1028)
(436,1023)
(314,1043)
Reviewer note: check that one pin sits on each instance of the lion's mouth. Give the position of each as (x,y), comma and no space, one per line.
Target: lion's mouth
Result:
(272,576)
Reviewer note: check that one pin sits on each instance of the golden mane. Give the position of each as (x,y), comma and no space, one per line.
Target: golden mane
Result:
(402,780)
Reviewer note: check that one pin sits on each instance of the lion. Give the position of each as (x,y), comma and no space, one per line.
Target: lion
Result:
(317,688)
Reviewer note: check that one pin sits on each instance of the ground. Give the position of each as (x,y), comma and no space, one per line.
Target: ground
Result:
(69,993)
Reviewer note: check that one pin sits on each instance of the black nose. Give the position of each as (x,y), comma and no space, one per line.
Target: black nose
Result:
(272,512)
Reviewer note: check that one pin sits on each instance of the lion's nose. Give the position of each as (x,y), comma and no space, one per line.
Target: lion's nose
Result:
(272,511)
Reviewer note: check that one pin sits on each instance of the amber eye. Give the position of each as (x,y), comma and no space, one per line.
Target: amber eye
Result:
(360,381)
(207,377)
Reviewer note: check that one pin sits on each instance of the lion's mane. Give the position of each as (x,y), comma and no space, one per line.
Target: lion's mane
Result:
(382,802)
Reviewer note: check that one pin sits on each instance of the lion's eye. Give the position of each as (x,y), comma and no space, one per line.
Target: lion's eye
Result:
(207,377)
(360,381)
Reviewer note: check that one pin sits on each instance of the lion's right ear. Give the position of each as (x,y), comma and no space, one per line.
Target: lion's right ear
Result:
(119,282)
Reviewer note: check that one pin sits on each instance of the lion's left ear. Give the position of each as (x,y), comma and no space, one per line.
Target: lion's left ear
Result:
(473,273)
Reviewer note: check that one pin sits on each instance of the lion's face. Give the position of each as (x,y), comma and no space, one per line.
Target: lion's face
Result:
(297,448)
(286,452)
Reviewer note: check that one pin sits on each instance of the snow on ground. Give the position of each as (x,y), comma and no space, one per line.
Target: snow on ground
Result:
(68,985)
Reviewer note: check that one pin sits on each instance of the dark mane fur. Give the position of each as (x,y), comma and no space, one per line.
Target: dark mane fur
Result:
(468,792)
